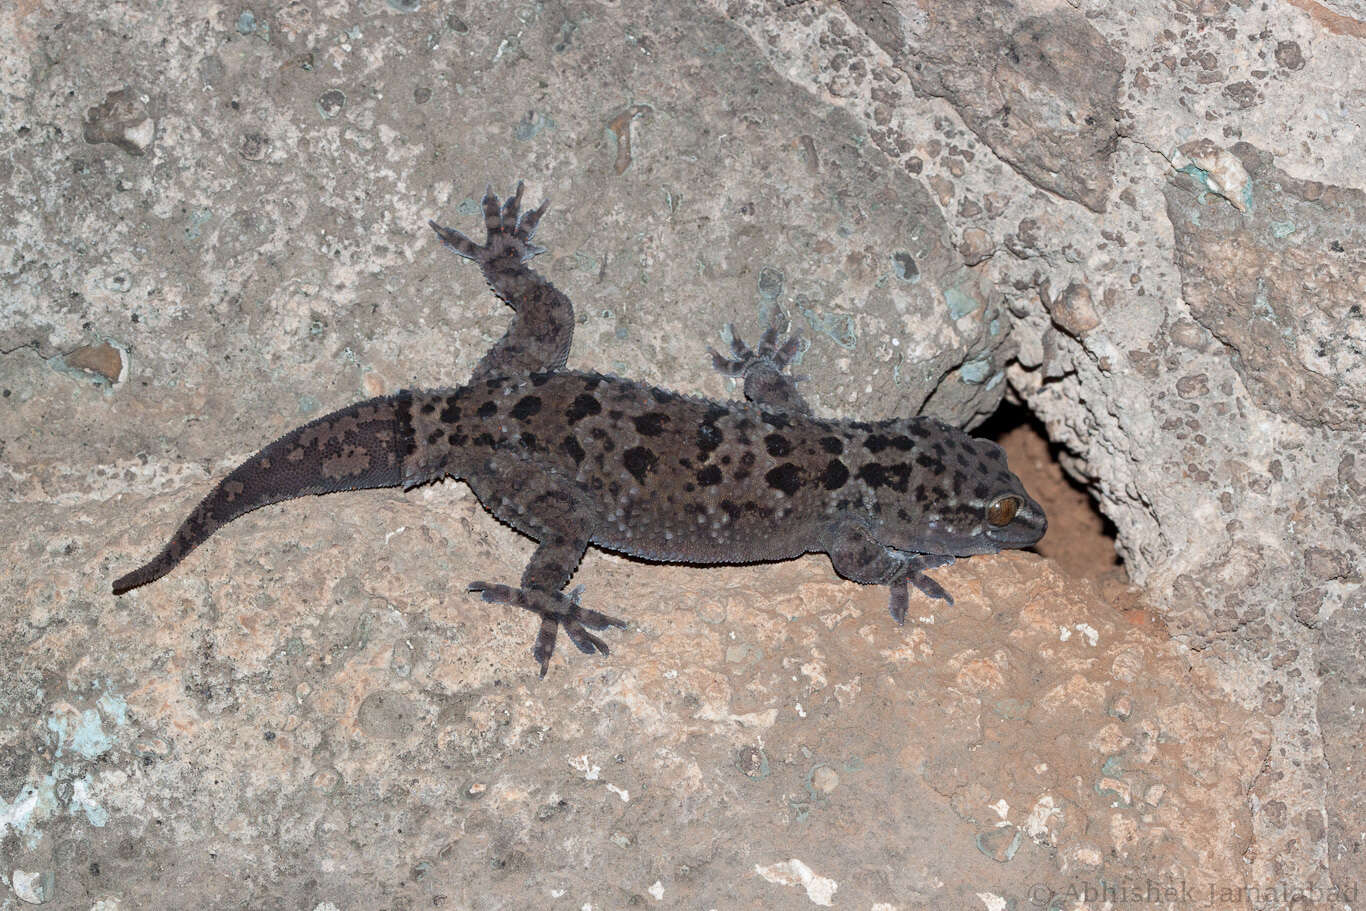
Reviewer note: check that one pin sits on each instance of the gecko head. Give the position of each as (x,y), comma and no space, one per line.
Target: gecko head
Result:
(962,500)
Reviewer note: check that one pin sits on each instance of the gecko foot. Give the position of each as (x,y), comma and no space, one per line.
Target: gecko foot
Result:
(762,369)
(899,601)
(509,231)
(557,611)
(769,353)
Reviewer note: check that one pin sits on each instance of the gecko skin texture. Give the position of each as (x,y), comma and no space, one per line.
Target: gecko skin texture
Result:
(572,459)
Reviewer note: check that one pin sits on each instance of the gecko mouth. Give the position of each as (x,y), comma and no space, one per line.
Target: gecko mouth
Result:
(1029,526)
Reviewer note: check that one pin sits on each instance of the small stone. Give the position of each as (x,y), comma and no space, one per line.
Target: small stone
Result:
(825,779)
(1189,334)
(1073,311)
(752,762)
(103,360)
(771,282)
(254,146)
(120,120)
(1120,707)
(246,22)
(1288,55)
(34,888)
(1001,843)
(331,102)
(1193,386)
(976,246)
(904,265)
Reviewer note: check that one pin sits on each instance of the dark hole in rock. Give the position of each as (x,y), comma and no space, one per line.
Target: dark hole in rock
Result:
(1080,539)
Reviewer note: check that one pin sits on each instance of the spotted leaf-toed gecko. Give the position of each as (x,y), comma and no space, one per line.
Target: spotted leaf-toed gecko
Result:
(572,459)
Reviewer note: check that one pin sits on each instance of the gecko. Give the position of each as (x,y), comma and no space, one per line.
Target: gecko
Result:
(574,458)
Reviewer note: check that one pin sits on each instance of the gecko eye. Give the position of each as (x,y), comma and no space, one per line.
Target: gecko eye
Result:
(1002,510)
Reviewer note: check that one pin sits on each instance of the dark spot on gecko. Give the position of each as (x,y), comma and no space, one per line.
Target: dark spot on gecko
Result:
(433,437)
(529,441)
(731,509)
(526,407)
(894,476)
(638,461)
(929,462)
(709,476)
(980,491)
(708,438)
(872,474)
(614,488)
(487,410)
(918,429)
(962,458)
(662,396)
(903,443)
(484,439)
(777,445)
(786,477)
(836,475)
(725,459)
(744,424)
(582,407)
(776,421)
(938,447)
(572,448)
(428,408)
(456,439)
(861,425)
(690,487)
(540,379)
(451,413)
(876,443)
(832,445)
(651,423)
(614,415)
(405,423)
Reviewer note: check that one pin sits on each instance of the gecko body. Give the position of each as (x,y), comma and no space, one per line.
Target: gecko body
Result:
(575,459)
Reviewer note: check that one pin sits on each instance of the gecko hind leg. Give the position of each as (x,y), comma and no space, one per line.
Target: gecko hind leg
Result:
(557,611)
(766,383)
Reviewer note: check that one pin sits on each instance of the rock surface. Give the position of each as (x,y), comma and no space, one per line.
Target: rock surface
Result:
(1142,221)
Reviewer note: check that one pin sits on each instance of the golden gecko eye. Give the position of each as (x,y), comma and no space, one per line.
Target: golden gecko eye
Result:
(1002,510)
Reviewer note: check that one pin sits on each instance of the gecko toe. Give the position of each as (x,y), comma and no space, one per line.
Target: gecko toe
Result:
(557,611)
(586,641)
(899,602)
(931,588)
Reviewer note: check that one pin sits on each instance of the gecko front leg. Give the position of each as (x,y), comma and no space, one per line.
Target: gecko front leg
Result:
(538,338)
(859,557)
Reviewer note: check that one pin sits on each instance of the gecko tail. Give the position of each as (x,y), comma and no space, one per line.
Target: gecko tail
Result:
(360,446)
